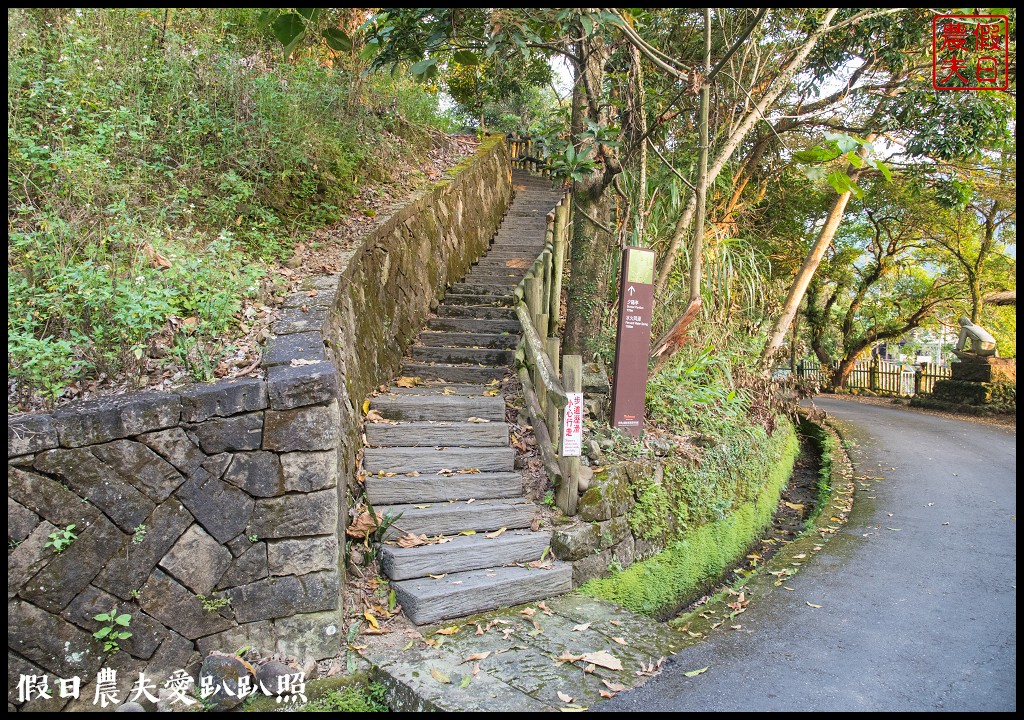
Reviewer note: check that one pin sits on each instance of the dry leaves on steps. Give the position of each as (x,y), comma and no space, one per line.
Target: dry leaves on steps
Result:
(408,382)
(363,525)
(374,416)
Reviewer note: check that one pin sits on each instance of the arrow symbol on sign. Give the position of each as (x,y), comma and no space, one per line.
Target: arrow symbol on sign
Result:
(631,290)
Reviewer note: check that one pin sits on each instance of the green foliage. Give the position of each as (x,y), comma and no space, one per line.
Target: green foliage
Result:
(696,390)
(135,135)
(372,698)
(139,533)
(213,604)
(111,632)
(61,539)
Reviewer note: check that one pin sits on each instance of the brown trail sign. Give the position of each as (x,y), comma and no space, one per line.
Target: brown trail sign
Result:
(633,341)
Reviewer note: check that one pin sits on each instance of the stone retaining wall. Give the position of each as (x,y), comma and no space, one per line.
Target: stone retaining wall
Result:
(232,491)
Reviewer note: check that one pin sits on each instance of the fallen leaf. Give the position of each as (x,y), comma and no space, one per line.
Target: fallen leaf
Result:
(605,694)
(366,523)
(468,532)
(409,540)
(616,623)
(564,698)
(421,507)
(479,630)
(810,604)
(366,406)
(374,416)
(471,500)
(567,656)
(476,669)
(613,686)
(604,659)
(572,708)
(695,673)
(437,577)
(793,506)
(477,420)
(370,618)
(580,628)
(544,608)
(451,630)
(620,641)
(466,680)
(495,534)
(439,676)
(477,656)
(528,612)
(408,382)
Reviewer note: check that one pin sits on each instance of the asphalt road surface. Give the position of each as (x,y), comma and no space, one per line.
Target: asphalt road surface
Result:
(917,592)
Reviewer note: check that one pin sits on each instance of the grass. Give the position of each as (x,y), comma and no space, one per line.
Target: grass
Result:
(159,164)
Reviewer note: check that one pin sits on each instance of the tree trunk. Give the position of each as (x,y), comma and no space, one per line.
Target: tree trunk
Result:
(841,373)
(803,278)
(673,339)
(590,256)
(592,245)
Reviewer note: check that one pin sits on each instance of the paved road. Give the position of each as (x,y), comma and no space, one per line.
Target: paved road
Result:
(918,618)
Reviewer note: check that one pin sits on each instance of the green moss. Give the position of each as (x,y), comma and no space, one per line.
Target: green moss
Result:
(351,699)
(701,553)
(649,517)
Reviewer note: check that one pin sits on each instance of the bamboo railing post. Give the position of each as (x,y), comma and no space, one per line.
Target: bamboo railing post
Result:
(567,496)
(554,418)
(558,264)
(545,296)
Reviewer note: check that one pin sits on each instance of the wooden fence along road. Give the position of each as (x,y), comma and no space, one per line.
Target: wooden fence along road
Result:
(883,376)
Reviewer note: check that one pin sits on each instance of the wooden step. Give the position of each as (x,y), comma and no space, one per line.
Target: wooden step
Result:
(433,434)
(462,554)
(435,387)
(455,373)
(451,518)
(502,300)
(465,324)
(454,339)
(485,290)
(451,408)
(402,489)
(426,600)
(496,256)
(462,355)
(429,460)
(509,278)
(479,312)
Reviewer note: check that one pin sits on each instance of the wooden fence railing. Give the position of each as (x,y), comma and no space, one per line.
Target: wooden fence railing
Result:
(882,376)
(538,357)
(528,153)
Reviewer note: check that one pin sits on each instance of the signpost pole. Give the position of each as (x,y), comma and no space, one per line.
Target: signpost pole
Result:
(633,340)
(571,435)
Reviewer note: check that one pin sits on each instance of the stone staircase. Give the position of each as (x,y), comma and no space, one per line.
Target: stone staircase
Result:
(447,474)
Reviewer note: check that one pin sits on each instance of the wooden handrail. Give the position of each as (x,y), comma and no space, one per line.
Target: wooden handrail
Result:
(536,356)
